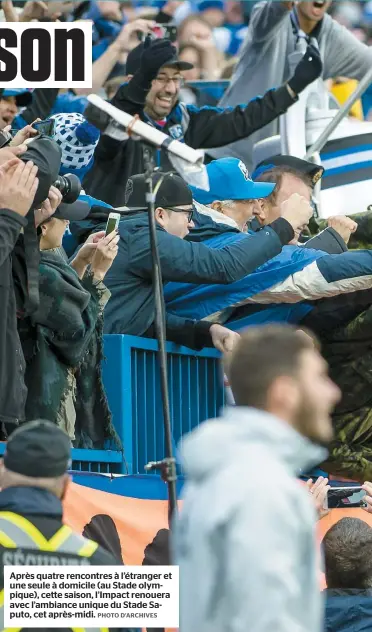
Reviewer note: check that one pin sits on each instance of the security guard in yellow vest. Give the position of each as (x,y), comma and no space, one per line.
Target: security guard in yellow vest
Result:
(33,482)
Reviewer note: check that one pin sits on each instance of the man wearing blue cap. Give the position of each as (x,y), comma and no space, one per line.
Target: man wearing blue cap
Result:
(295,275)
(230,191)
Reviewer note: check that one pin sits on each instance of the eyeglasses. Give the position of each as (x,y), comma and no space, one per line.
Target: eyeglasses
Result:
(178,81)
(181,210)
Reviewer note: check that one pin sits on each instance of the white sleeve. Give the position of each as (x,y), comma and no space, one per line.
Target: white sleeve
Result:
(310,284)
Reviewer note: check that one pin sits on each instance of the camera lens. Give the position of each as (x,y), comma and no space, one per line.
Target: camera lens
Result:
(69,186)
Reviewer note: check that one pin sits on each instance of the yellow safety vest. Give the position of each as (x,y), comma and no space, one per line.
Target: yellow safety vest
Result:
(18,532)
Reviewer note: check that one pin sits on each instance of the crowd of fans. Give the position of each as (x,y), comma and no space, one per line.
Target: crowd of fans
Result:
(247,252)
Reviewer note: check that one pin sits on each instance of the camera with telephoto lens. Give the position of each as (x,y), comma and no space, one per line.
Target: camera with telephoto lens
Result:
(70,187)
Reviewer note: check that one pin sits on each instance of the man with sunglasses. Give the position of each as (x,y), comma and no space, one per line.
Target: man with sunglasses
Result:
(131,307)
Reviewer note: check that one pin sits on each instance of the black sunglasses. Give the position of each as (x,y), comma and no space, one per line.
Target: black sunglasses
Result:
(181,210)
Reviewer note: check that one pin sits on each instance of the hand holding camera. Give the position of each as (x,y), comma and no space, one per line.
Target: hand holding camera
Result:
(48,207)
(128,36)
(18,185)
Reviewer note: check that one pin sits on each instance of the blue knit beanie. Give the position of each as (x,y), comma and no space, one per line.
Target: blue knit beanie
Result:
(77,139)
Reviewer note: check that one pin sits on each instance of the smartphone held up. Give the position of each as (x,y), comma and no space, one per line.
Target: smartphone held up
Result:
(345,498)
(112,223)
(46,127)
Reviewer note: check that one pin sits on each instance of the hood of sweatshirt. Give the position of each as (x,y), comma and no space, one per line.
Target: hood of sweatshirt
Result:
(209,223)
(236,434)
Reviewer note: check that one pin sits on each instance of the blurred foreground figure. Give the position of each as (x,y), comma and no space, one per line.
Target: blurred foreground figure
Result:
(245,538)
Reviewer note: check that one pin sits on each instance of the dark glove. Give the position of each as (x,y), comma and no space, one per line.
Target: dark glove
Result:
(309,69)
(156,53)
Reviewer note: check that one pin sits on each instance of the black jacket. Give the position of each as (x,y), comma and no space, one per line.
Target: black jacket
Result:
(130,309)
(17,279)
(207,127)
(13,392)
(45,511)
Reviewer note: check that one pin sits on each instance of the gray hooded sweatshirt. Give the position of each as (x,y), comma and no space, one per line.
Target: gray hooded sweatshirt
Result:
(264,63)
(245,537)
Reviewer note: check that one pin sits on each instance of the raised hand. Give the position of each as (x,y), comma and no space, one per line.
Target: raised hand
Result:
(106,251)
(297,211)
(223,339)
(18,185)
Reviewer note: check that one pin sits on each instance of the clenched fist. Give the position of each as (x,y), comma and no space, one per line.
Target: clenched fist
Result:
(297,211)
(344,226)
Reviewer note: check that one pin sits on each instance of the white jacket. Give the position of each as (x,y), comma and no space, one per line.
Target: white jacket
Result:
(245,538)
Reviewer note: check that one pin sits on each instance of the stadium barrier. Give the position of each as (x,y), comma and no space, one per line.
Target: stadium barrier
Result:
(132,381)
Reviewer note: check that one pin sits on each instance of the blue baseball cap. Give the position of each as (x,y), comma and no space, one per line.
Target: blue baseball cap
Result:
(229,179)
(23,97)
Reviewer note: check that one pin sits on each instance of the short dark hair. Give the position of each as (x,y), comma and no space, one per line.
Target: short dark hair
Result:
(275,175)
(261,356)
(348,555)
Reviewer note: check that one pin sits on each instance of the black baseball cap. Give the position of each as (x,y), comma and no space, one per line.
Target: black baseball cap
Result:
(73,212)
(315,172)
(169,188)
(38,449)
(134,60)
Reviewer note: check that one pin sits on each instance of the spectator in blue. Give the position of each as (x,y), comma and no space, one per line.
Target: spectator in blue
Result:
(348,568)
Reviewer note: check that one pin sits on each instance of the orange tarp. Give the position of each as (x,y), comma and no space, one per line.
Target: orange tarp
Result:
(138,521)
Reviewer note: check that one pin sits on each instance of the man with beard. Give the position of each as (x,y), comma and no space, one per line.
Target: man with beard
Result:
(245,537)
(276,31)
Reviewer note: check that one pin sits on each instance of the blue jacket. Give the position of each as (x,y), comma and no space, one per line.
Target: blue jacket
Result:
(131,307)
(205,300)
(282,289)
(348,611)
